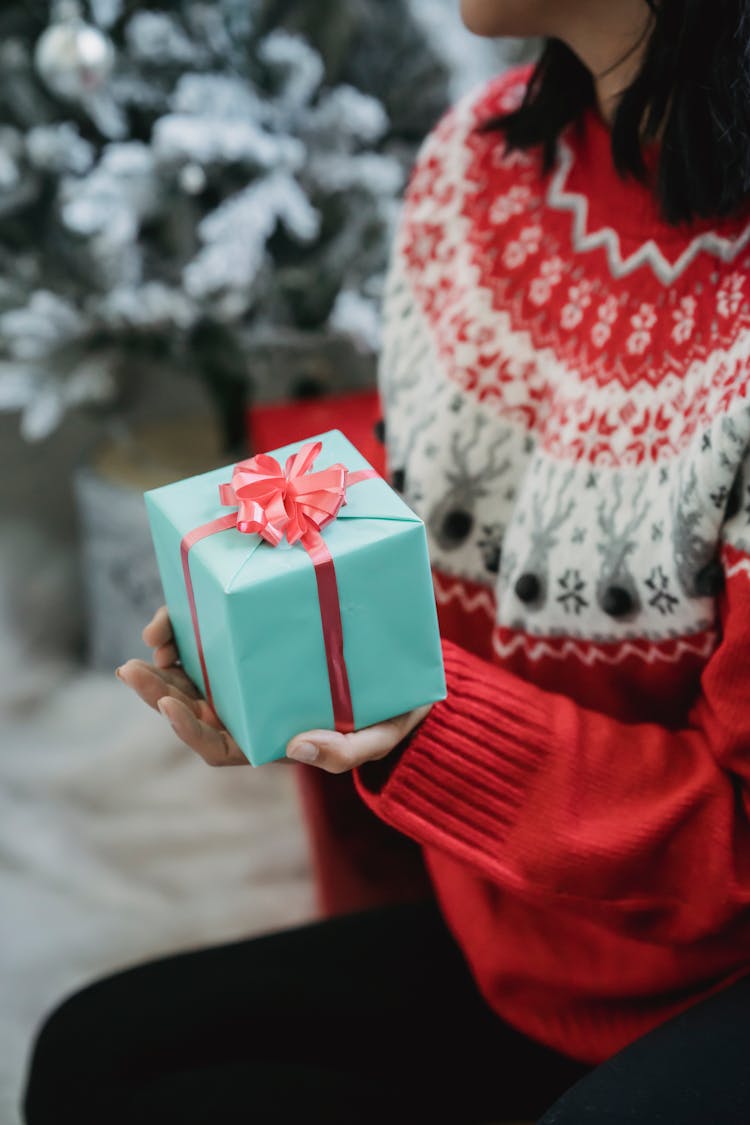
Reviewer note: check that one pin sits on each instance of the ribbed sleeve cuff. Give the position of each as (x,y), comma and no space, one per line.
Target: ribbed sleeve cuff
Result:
(459,781)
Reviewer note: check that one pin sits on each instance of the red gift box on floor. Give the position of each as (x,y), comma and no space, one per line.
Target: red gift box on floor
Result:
(357,414)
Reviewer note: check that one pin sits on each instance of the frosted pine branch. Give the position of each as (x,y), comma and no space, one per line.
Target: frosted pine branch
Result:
(242,166)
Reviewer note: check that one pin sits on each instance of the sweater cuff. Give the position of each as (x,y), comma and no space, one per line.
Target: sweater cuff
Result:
(460,779)
(374,775)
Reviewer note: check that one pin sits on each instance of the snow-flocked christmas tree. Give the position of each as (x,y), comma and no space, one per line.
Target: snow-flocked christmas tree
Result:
(173,178)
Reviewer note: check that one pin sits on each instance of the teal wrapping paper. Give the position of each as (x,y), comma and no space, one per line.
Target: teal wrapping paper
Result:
(259,615)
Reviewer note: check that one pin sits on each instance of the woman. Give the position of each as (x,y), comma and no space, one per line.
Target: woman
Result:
(564,377)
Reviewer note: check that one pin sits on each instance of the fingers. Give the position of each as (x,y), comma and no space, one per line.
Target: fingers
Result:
(214,744)
(158,635)
(165,655)
(159,629)
(335,752)
(169,691)
(152,683)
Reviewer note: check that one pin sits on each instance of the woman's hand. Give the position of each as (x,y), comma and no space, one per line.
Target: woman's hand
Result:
(337,753)
(166,688)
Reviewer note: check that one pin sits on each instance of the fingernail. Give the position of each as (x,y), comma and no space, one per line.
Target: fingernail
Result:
(117,673)
(163,712)
(303,752)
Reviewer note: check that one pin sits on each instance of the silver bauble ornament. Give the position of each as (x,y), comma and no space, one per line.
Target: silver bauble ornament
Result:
(192,179)
(73,58)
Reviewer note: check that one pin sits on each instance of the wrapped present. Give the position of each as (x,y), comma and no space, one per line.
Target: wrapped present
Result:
(299,589)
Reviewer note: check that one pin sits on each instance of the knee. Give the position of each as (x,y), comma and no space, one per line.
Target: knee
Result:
(56,1077)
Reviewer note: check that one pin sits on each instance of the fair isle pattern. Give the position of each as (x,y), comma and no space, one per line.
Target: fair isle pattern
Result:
(506,644)
(649,253)
(604,424)
(566,407)
(510,300)
(458,455)
(565,399)
(449,590)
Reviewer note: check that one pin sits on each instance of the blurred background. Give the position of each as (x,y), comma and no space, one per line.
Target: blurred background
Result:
(197,201)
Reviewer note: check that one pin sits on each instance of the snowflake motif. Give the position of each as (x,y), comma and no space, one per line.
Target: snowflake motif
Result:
(607,314)
(628,412)
(705,442)
(475,342)
(527,243)
(513,203)
(481,335)
(550,275)
(591,480)
(643,321)
(573,586)
(684,318)
(657,531)
(719,496)
(578,535)
(491,546)
(579,298)
(730,295)
(487,377)
(663,474)
(662,599)
(600,333)
(608,310)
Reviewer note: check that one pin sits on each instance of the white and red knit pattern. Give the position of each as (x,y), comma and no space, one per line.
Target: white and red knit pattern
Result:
(558,363)
(565,388)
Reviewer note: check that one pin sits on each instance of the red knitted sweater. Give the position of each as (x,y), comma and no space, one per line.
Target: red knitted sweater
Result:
(564,379)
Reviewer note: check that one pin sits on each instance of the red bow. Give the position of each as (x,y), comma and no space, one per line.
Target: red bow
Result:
(273,501)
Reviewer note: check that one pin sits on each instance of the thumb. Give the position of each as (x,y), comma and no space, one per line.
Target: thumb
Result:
(335,752)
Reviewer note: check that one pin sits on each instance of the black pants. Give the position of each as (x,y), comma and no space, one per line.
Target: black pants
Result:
(372,1017)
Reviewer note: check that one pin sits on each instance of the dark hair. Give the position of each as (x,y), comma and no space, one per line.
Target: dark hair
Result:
(692,90)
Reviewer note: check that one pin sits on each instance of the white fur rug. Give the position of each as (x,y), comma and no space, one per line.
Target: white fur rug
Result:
(117,844)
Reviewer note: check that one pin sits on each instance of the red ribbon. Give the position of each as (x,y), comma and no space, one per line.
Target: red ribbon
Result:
(296,503)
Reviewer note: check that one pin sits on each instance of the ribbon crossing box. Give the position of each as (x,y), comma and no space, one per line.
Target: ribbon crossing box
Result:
(299,589)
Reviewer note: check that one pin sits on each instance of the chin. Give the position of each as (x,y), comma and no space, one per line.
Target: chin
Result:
(494,19)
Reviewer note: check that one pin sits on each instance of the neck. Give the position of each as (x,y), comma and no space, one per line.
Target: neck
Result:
(612,50)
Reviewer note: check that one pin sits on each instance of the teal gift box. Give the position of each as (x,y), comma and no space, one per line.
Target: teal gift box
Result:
(258,613)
